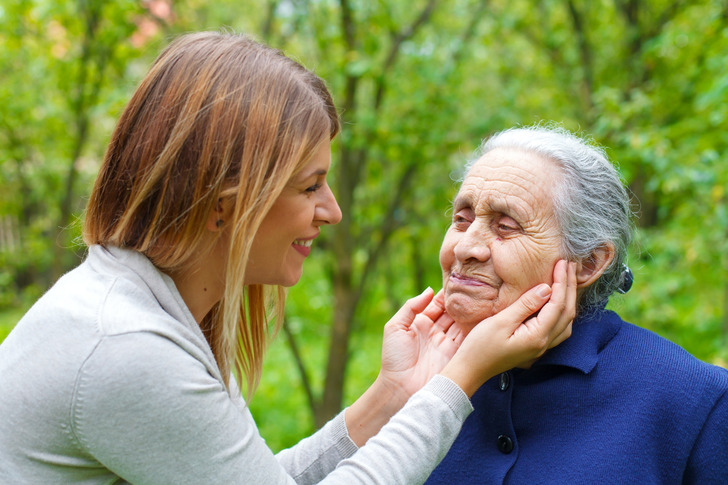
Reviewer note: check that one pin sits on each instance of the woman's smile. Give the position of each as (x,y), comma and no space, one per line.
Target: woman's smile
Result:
(303,246)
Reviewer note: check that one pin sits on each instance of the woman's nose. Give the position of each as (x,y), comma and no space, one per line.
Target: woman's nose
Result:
(472,245)
(328,211)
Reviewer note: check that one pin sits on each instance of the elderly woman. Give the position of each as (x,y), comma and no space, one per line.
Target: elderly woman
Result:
(615,403)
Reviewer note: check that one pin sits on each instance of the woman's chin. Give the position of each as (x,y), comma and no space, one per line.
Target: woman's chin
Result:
(467,312)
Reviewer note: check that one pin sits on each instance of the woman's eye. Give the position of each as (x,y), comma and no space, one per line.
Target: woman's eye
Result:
(313,188)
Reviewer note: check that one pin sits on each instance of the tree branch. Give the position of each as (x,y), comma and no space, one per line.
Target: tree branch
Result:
(396,47)
(347,24)
(291,339)
(553,53)
(347,27)
(388,227)
(662,20)
(267,28)
(88,89)
(360,157)
(585,53)
(469,31)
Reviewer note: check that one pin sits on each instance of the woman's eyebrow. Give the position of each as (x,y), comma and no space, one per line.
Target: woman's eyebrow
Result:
(305,176)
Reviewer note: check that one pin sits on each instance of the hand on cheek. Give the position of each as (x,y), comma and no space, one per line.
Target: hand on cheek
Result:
(540,319)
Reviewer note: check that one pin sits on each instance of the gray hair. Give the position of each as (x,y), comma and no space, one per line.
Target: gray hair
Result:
(591,203)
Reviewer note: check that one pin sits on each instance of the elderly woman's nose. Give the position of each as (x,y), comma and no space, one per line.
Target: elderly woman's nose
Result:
(472,244)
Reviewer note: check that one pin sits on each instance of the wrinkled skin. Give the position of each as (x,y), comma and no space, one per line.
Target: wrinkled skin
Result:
(504,237)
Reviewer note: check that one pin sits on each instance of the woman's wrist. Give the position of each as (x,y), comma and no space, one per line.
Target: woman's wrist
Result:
(458,371)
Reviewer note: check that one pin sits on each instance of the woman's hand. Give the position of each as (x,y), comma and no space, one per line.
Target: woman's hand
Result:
(419,341)
(502,342)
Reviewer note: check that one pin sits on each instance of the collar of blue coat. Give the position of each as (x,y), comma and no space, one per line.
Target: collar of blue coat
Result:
(590,334)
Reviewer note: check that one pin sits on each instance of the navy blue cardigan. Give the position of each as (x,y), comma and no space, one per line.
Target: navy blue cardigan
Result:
(615,403)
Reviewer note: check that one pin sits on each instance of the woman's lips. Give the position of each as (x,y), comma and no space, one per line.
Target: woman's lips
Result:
(303,246)
(464,280)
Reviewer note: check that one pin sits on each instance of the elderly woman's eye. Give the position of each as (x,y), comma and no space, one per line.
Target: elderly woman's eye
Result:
(506,224)
(461,218)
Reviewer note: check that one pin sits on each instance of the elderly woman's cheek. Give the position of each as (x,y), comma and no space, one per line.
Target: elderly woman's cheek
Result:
(521,264)
(447,255)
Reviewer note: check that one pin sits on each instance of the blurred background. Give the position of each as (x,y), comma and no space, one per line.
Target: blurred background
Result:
(418,84)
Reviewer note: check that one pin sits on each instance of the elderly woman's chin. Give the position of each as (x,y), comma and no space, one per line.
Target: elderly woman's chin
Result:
(467,310)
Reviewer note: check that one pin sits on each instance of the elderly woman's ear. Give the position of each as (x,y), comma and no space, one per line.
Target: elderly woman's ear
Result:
(590,269)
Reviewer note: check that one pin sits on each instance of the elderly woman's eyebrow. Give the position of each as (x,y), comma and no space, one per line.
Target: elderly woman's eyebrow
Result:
(502,206)
(508,208)
(469,199)
(463,199)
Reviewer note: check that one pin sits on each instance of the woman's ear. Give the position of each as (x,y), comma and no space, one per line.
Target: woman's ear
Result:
(220,215)
(589,270)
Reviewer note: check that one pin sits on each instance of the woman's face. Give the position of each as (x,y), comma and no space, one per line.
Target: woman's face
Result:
(284,239)
(504,238)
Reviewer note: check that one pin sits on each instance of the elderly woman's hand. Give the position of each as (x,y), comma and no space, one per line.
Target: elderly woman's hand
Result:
(510,338)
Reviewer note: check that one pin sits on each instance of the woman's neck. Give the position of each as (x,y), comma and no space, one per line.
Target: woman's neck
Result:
(199,291)
(202,283)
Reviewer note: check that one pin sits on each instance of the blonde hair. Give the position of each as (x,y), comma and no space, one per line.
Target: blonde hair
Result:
(217,116)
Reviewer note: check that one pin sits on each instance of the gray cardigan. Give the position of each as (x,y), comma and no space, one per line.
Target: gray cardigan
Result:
(108,378)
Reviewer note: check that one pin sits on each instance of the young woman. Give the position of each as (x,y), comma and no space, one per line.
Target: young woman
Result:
(211,193)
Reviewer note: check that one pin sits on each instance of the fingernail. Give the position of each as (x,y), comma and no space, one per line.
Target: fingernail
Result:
(426,290)
(543,290)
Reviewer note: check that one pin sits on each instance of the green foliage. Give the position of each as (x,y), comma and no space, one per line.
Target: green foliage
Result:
(62,63)
(279,405)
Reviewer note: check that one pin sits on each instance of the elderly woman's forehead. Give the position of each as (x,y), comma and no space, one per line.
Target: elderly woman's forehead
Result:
(515,177)
(514,157)
(513,166)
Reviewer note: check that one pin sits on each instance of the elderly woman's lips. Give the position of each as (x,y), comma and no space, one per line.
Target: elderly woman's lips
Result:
(466,280)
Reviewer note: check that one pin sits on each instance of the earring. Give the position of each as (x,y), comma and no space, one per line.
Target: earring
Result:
(219,223)
(627,279)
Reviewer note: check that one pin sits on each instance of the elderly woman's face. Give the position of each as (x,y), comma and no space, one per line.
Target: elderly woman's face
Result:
(504,238)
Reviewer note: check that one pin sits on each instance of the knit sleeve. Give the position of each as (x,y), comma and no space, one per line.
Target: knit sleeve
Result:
(708,461)
(406,449)
(413,442)
(314,457)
